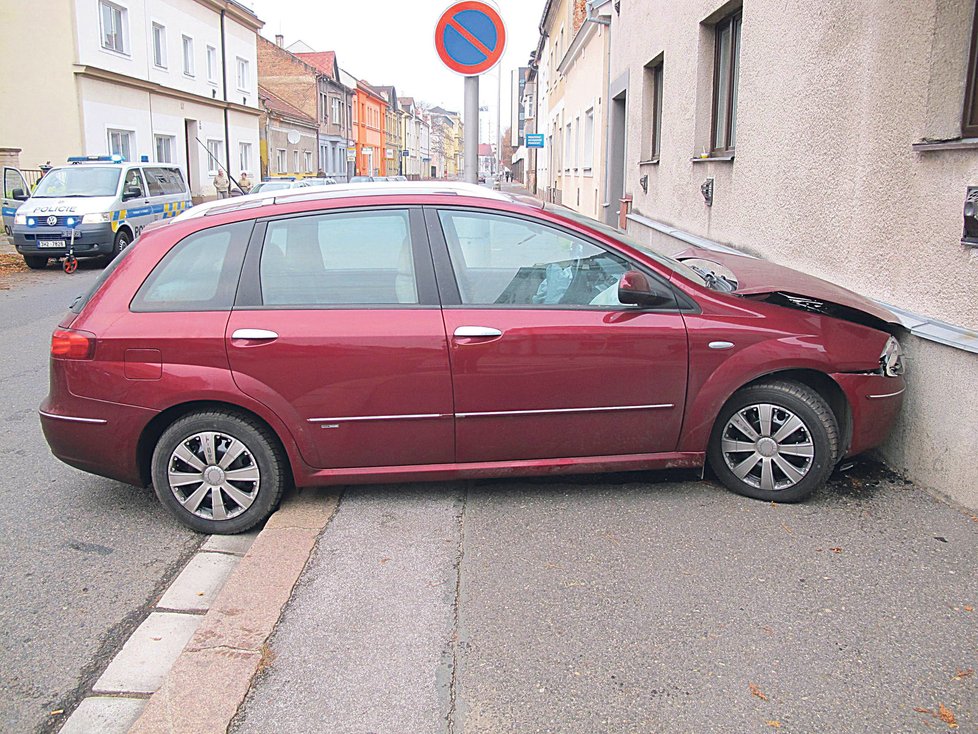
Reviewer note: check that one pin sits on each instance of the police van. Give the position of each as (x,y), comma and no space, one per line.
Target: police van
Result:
(96,205)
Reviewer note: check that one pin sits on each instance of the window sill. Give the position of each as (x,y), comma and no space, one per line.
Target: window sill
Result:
(189,76)
(116,52)
(714,158)
(650,162)
(159,68)
(939,145)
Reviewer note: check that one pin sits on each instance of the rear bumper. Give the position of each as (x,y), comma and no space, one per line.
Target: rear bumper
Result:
(90,240)
(875,402)
(95,436)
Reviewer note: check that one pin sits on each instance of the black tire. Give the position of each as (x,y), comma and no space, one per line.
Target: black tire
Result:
(36,262)
(819,434)
(262,451)
(122,240)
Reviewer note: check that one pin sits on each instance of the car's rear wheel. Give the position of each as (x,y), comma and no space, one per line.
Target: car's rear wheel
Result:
(218,472)
(776,441)
(36,262)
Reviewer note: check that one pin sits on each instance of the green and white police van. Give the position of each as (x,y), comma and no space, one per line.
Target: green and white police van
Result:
(104,201)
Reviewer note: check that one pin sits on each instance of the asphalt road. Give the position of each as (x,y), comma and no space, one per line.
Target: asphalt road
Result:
(643,603)
(81,556)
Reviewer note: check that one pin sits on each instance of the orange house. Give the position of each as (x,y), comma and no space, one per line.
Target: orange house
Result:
(369,113)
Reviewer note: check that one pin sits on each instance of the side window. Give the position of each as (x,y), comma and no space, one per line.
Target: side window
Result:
(339,259)
(134,181)
(200,273)
(174,182)
(156,181)
(501,260)
(13,180)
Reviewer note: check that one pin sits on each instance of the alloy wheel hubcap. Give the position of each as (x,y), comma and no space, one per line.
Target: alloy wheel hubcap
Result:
(767,447)
(213,475)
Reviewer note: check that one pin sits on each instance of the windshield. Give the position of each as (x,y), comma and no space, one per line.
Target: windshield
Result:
(271,186)
(78,181)
(687,272)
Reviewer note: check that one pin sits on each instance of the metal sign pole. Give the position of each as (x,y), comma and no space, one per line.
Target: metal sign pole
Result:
(470,132)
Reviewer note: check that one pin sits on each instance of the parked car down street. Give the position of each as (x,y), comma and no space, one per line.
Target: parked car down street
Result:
(412,332)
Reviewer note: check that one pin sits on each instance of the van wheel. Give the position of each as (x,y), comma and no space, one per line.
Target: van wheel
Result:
(218,472)
(36,262)
(122,240)
(776,441)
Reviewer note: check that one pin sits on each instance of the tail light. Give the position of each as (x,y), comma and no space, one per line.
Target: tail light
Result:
(72,344)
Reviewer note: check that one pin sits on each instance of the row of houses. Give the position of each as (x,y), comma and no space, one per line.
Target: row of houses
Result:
(191,82)
(841,142)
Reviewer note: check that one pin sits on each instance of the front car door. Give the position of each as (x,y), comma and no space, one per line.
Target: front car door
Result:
(546,362)
(13,182)
(337,328)
(137,210)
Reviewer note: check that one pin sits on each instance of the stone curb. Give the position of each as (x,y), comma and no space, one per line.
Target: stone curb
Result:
(212,675)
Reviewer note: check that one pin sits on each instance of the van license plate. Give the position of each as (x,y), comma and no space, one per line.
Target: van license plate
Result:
(50,243)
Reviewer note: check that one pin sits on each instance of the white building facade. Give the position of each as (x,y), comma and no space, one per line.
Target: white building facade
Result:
(172,81)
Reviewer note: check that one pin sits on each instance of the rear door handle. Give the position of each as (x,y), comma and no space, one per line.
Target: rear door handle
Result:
(469,332)
(254,334)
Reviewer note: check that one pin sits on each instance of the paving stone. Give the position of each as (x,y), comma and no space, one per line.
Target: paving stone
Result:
(148,654)
(199,583)
(236,544)
(105,715)
(305,508)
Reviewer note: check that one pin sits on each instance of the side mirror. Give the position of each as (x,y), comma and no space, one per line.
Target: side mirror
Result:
(636,288)
(131,192)
(18,194)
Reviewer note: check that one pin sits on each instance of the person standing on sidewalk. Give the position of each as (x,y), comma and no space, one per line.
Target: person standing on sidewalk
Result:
(222,184)
(244,183)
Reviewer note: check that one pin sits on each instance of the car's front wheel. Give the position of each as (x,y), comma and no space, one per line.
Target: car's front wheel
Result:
(218,472)
(776,440)
(36,262)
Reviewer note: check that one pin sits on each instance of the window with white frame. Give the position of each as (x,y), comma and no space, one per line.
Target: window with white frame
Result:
(295,161)
(281,164)
(215,156)
(568,149)
(164,148)
(308,161)
(212,65)
(188,56)
(244,157)
(577,142)
(159,46)
(120,143)
(244,74)
(587,160)
(337,107)
(114,20)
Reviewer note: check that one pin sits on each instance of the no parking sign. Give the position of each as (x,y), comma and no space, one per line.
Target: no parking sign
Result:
(470,37)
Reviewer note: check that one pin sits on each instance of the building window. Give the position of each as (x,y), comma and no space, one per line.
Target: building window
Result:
(244,157)
(588,161)
(212,65)
(307,155)
(337,106)
(726,72)
(120,143)
(164,148)
(215,156)
(969,122)
(568,148)
(577,142)
(244,75)
(114,20)
(295,161)
(188,56)
(281,164)
(159,46)
(653,110)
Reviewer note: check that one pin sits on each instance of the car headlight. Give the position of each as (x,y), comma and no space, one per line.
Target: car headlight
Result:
(96,218)
(891,360)
(20,219)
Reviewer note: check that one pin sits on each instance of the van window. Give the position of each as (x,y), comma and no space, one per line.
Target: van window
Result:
(174,182)
(134,180)
(200,273)
(155,181)
(79,180)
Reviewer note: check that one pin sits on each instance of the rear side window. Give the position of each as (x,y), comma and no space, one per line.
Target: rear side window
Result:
(155,181)
(200,273)
(339,259)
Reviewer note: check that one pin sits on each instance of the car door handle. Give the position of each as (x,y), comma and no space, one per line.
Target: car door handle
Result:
(254,334)
(469,332)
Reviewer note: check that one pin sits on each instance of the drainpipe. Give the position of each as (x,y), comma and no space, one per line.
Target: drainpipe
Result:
(227,127)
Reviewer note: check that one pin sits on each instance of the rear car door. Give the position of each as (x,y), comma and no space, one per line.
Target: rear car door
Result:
(337,328)
(546,362)
(13,182)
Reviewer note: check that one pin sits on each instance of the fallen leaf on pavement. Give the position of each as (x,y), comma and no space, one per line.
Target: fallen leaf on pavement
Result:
(835,550)
(786,528)
(384,560)
(775,724)
(968,608)
(755,691)
(947,716)
(962,674)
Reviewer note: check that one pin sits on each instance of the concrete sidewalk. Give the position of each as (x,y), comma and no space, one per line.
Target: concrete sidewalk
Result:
(629,603)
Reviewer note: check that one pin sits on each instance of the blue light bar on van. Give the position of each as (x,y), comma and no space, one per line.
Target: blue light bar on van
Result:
(115,158)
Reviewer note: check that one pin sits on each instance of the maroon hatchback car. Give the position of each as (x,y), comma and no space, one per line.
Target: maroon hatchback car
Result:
(397,332)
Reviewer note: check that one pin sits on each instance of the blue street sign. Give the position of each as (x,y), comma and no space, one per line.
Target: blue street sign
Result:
(534,140)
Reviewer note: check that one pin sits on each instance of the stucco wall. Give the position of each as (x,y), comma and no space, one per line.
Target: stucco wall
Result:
(832,95)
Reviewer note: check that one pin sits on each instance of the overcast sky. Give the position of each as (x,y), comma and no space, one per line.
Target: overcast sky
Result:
(391,42)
